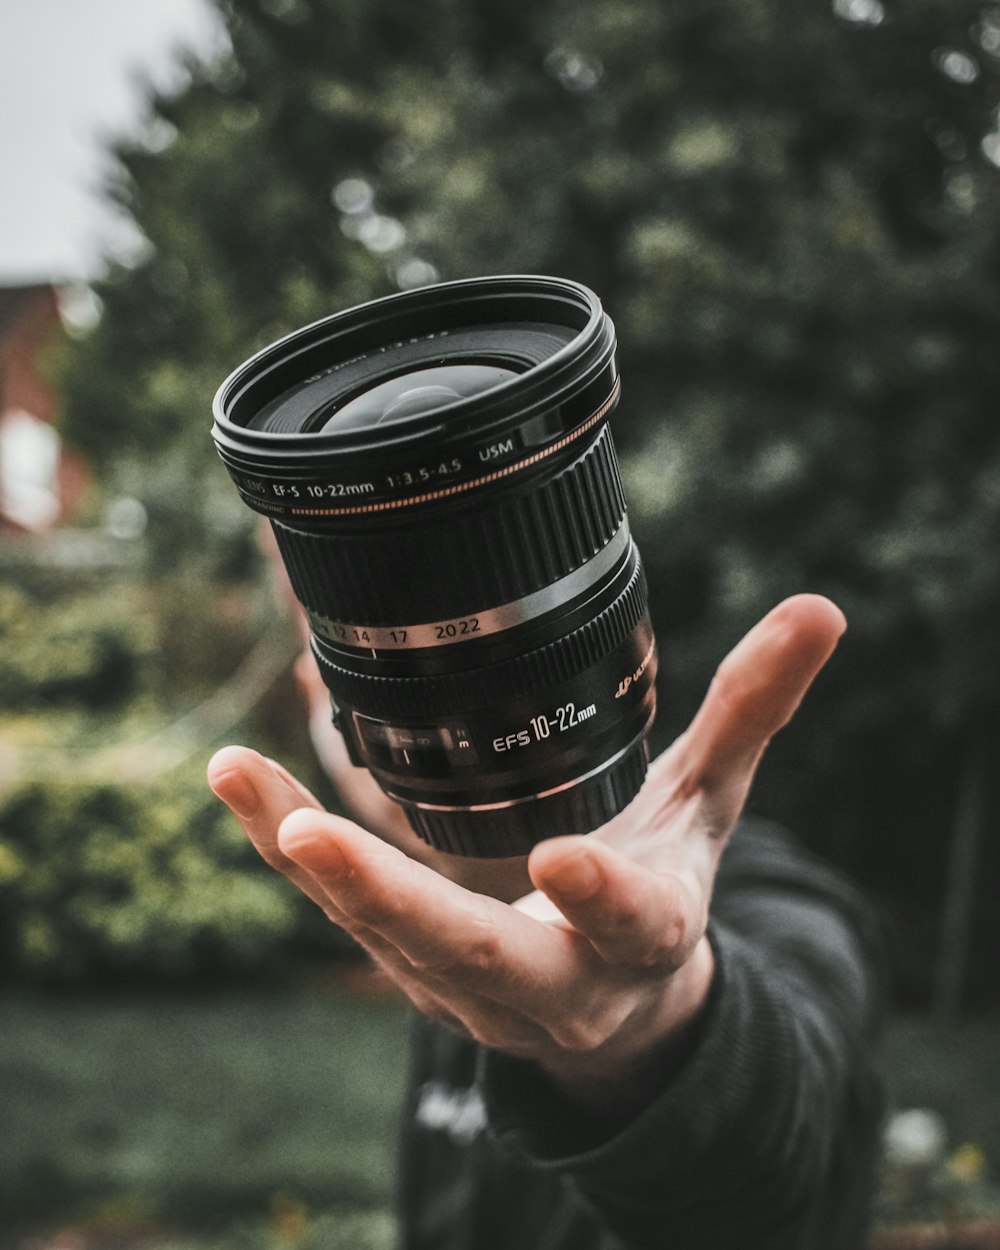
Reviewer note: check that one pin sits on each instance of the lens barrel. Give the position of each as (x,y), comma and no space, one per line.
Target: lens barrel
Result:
(440,477)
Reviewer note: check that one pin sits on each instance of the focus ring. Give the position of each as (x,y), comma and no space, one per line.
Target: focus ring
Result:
(439,694)
(462,562)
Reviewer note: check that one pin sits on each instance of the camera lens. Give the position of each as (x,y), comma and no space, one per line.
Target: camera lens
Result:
(440,477)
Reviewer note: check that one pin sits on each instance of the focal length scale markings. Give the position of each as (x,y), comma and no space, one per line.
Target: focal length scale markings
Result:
(528,607)
(567,717)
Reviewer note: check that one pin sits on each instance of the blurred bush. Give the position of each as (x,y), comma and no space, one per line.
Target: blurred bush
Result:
(116,861)
(112,879)
(88,652)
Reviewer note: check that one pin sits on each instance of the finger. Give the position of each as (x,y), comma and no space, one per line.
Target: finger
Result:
(465,1012)
(756,691)
(630,915)
(260,794)
(356,786)
(446,934)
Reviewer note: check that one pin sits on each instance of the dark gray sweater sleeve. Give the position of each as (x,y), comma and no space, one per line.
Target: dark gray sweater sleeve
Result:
(763,1132)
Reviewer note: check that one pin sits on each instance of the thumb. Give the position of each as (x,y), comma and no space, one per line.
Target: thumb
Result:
(756,691)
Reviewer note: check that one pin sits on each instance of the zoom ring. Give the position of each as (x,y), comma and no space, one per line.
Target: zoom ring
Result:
(440,694)
(514,830)
(463,562)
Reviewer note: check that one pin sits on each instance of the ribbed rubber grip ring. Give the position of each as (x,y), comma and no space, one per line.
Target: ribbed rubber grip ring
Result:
(514,830)
(407,698)
(463,560)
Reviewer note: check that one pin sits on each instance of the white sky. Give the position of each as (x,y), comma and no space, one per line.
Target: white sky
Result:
(70,75)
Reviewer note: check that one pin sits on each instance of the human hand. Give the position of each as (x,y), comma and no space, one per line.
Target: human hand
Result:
(589,975)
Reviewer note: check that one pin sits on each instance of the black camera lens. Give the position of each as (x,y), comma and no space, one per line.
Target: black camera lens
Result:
(440,477)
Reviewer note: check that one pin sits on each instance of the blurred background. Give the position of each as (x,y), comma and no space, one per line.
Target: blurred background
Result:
(791,209)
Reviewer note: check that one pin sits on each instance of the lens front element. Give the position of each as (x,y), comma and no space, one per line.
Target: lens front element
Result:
(415,393)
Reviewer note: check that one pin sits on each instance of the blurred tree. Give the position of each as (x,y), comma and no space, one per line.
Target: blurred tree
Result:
(791,211)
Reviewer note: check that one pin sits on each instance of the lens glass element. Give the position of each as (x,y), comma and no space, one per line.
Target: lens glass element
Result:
(415,392)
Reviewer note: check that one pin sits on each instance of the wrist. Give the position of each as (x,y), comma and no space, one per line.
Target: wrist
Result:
(615,1080)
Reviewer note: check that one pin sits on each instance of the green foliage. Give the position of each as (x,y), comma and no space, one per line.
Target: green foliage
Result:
(111,879)
(88,652)
(266,1115)
(115,859)
(790,210)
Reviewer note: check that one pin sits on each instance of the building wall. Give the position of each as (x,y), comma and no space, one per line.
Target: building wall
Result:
(39,481)
(32,321)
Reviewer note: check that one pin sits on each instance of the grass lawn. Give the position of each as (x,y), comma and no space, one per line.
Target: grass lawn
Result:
(234,1120)
(138,1113)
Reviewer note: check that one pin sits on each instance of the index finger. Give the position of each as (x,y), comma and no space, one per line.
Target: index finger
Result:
(448,935)
(260,793)
(757,689)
